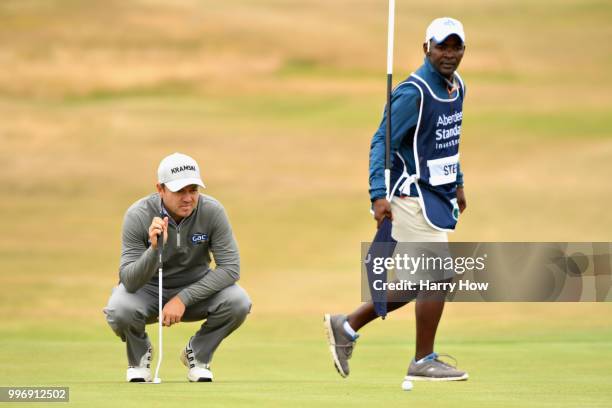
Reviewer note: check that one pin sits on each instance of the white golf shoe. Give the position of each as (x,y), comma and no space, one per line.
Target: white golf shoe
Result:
(142,372)
(198,372)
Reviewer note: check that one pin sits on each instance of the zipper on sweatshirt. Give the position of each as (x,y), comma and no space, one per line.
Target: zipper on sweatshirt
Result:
(178,233)
(164,213)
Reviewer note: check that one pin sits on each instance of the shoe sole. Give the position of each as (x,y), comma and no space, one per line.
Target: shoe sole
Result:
(332,341)
(186,364)
(435,379)
(202,379)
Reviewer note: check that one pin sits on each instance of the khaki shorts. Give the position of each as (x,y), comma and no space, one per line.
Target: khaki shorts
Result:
(409,223)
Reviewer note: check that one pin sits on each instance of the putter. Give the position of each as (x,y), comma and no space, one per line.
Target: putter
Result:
(160,244)
(160,281)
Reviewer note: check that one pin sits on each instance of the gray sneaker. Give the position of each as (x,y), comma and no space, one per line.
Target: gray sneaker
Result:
(431,368)
(340,343)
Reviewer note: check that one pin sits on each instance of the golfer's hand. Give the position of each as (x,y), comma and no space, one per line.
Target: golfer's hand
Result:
(382,209)
(157,226)
(461,199)
(172,312)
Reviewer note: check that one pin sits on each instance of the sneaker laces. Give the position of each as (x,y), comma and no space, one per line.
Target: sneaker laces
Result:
(192,360)
(147,356)
(444,362)
(190,355)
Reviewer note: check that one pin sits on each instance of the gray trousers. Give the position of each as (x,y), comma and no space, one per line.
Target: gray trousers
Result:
(129,313)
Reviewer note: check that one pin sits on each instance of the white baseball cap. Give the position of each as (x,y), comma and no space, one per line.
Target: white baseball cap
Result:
(441,28)
(177,171)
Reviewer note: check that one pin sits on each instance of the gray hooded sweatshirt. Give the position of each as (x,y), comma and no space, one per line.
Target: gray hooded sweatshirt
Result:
(186,254)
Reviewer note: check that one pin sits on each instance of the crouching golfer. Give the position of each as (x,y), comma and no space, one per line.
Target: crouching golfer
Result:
(427,187)
(194,226)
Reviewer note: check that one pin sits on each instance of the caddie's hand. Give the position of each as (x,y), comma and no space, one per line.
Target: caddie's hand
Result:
(172,312)
(461,199)
(157,226)
(382,209)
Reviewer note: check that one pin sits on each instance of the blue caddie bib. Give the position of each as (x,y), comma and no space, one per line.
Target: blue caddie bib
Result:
(436,155)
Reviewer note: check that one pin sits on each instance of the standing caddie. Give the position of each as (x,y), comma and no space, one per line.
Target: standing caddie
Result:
(194,226)
(427,192)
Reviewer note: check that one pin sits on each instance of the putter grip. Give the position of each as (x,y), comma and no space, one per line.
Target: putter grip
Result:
(160,247)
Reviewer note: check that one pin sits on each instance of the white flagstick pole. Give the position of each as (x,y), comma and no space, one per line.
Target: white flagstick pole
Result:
(390,35)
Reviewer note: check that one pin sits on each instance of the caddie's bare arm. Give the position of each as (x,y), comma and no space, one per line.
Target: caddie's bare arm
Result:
(382,210)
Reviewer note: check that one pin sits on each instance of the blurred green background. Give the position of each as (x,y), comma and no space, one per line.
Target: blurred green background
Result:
(278,100)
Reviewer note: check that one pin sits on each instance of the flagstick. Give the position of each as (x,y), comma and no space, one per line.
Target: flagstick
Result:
(390,35)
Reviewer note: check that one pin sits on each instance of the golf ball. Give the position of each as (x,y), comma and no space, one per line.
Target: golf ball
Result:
(407,385)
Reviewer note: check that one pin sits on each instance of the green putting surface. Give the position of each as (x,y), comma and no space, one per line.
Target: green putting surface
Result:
(285,361)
